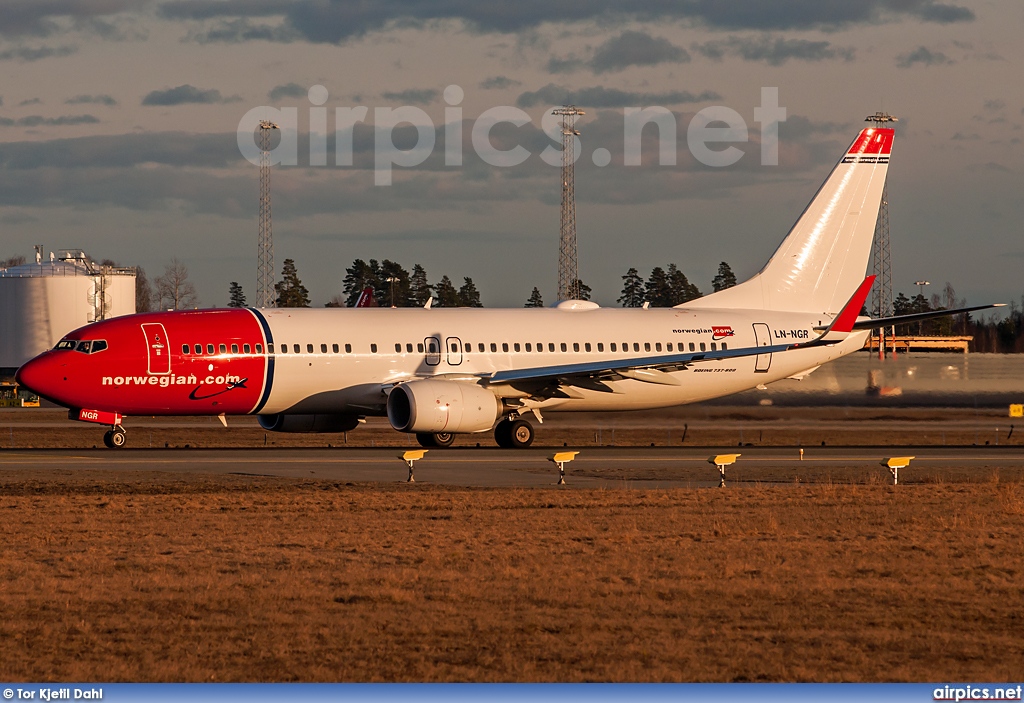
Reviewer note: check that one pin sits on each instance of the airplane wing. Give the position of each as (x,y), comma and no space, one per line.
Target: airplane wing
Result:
(918,316)
(653,369)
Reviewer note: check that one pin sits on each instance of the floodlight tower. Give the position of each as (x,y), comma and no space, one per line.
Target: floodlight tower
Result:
(881,299)
(265,255)
(568,268)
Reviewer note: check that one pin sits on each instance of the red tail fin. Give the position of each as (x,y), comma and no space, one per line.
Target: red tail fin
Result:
(366,299)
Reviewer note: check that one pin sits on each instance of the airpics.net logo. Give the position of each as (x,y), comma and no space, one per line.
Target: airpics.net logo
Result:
(711,134)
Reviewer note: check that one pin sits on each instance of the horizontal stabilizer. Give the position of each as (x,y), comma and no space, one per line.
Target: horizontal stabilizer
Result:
(919,316)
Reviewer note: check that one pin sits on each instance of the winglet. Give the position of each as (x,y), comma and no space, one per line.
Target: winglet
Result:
(845,319)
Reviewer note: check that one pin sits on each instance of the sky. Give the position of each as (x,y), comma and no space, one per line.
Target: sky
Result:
(119,127)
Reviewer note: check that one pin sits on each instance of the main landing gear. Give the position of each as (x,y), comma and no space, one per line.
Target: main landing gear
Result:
(115,437)
(435,439)
(513,433)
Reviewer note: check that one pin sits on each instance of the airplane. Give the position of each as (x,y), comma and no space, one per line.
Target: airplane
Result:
(438,373)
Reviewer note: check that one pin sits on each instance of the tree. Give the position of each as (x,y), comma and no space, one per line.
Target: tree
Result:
(359,276)
(583,291)
(173,289)
(724,279)
(143,291)
(12,262)
(236,298)
(657,289)
(393,282)
(680,288)
(534,301)
(447,295)
(469,296)
(336,301)
(419,289)
(632,290)
(290,291)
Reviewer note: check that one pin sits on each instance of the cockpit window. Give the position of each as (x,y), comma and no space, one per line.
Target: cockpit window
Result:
(85,347)
(65,344)
(99,345)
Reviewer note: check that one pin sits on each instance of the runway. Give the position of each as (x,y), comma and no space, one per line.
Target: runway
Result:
(604,467)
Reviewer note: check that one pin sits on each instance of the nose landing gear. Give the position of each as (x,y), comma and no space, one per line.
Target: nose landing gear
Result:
(115,437)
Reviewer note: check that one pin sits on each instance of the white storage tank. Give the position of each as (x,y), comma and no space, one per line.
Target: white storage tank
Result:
(41,302)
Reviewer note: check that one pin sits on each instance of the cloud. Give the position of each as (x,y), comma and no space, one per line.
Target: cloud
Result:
(412,96)
(288,90)
(568,64)
(185,94)
(176,149)
(337,22)
(43,52)
(91,99)
(498,83)
(39,18)
(242,30)
(30,101)
(40,121)
(599,96)
(924,56)
(632,48)
(994,105)
(1,100)
(773,50)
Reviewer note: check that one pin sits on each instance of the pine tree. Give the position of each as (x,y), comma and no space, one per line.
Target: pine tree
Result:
(469,296)
(143,291)
(419,289)
(632,290)
(290,291)
(583,291)
(394,292)
(680,288)
(357,277)
(447,295)
(724,279)
(657,289)
(534,301)
(236,298)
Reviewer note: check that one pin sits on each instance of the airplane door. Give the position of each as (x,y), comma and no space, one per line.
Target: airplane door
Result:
(433,347)
(157,349)
(762,338)
(454,348)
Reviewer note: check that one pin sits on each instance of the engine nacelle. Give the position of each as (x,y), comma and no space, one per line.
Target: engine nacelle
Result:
(442,406)
(308,423)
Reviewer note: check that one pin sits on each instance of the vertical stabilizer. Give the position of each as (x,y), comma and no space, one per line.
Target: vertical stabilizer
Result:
(825,256)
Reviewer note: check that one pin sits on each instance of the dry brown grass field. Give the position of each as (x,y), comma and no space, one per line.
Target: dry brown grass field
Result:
(156,577)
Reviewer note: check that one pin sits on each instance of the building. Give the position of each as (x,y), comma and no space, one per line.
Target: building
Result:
(41,302)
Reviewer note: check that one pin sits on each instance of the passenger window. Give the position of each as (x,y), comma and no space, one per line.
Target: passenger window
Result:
(198,349)
(270,347)
(209,349)
(223,348)
(575,346)
(334,348)
(348,348)
(419,347)
(724,347)
(563,347)
(714,347)
(504,346)
(431,348)
(234,348)
(373,348)
(600,346)
(586,347)
(515,346)
(691,346)
(398,347)
(246,349)
(669,346)
(284,348)
(480,347)
(647,346)
(657,346)
(551,346)
(636,346)
(703,347)
(529,347)
(323,348)
(184,349)
(408,348)
(296,348)
(613,346)
(494,347)
(259,348)
(309,348)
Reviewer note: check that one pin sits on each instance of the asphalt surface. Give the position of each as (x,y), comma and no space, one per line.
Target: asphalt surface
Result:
(608,467)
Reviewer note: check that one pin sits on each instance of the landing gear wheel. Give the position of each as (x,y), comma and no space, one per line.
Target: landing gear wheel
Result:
(439,439)
(107,441)
(521,434)
(503,434)
(117,438)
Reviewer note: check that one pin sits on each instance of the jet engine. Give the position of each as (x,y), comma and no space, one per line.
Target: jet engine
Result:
(442,406)
(308,423)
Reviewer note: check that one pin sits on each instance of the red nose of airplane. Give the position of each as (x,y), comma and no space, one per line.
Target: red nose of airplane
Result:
(40,375)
